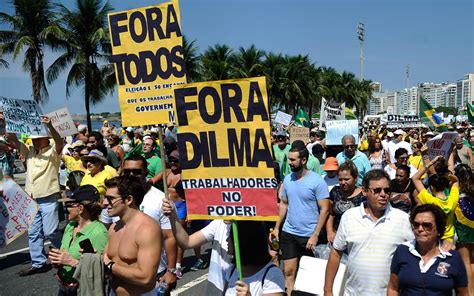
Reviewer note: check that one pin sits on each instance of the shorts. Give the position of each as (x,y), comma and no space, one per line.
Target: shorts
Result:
(465,233)
(293,246)
(181,209)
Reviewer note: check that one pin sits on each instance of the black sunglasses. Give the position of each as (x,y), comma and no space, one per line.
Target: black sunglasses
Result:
(379,190)
(349,146)
(135,172)
(426,225)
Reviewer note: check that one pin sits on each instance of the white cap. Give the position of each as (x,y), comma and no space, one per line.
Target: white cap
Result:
(390,134)
(129,129)
(398,132)
(429,134)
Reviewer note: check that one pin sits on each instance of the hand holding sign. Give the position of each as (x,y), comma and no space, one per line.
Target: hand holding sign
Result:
(168,208)
(45,119)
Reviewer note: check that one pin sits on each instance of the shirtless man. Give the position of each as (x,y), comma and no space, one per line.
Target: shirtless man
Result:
(106,130)
(132,254)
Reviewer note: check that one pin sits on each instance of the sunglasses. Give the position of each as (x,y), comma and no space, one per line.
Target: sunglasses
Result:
(111,198)
(350,146)
(71,205)
(135,172)
(426,225)
(403,157)
(173,160)
(379,190)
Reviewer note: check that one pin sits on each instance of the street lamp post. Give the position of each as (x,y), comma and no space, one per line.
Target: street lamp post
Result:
(361,36)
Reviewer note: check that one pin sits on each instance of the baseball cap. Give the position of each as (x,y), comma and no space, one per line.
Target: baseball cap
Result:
(94,154)
(129,129)
(398,132)
(281,134)
(390,134)
(174,154)
(330,164)
(83,193)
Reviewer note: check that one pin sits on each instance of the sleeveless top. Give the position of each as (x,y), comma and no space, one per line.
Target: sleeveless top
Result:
(377,163)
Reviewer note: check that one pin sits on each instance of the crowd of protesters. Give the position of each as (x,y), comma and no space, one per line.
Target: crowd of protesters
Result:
(404,221)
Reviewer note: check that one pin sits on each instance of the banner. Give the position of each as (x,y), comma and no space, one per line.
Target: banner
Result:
(147,50)
(23,117)
(299,133)
(400,121)
(225,150)
(283,118)
(441,145)
(17,210)
(337,129)
(62,122)
(331,111)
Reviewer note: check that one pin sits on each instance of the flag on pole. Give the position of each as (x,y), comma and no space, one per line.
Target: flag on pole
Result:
(428,112)
(302,118)
(470,112)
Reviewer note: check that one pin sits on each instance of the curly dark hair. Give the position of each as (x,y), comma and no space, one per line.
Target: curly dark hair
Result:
(349,166)
(438,214)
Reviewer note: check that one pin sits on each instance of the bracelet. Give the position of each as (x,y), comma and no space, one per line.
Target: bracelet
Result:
(172,270)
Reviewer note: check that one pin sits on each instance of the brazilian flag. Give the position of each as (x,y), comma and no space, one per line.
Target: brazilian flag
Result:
(470,112)
(428,112)
(302,118)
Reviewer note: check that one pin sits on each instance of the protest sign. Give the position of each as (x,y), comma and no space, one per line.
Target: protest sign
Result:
(337,129)
(225,150)
(441,145)
(17,210)
(147,50)
(283,118)
(23,117)
(299,133)
(62,122)
(331,111)
(408,121)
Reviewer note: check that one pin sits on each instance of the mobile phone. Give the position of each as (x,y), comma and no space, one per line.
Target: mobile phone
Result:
(86,246)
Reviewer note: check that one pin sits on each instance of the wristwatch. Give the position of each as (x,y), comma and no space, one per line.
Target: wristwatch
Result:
(109,266)
(172,270)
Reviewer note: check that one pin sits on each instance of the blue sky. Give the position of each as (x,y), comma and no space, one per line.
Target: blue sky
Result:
(436,38)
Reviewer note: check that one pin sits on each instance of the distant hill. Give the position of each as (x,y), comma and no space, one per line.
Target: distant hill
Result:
(98,117)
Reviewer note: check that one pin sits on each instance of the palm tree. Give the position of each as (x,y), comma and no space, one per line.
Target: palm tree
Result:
(3,63)
(31,28)
(87,45)
(274,68)
(217,63)
(191,60)
(249,62)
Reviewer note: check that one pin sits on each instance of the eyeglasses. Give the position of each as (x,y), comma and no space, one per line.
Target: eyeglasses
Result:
(379,190)
(71,205)
(135,172)
(111,198)
(402,157)
(427,226)
(350,146)
(173,160)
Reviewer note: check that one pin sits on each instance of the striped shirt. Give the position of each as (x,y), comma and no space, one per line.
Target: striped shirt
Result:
(371,245)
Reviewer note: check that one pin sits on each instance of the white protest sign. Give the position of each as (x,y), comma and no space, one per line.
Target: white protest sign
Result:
(331,111)
(283,118)
(299,133)
(441,145)
(62,122)
(17,211)
(337,129)
(23,117)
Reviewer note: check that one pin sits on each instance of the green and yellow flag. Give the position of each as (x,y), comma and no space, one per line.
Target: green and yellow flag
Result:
(428,112)
(302,118)
(470,112)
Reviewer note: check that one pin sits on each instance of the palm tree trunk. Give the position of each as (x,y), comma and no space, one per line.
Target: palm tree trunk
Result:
(87,101)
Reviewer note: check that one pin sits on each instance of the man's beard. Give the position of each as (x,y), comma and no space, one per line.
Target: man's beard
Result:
(296,169)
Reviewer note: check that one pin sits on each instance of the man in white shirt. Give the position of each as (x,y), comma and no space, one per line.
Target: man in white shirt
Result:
(370,233)
(397,142)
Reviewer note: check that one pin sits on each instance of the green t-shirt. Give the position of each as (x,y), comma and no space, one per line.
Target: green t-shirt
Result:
(281,156)
(154,166)
(95,232)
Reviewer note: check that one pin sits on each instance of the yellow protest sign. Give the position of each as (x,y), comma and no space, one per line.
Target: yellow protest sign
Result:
(147,51)
(225,150)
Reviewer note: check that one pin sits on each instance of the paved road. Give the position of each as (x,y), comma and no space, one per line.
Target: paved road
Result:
(15,257)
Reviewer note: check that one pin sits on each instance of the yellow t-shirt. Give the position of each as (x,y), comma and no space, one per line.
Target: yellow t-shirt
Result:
(417,162)
(72,164)
(448,206)
(98,181)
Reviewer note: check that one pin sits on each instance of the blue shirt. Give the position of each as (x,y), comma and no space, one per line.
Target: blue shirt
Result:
(439,276)
(360,160)
(302,196)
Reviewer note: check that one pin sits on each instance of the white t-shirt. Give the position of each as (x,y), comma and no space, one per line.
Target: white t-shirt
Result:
(393,146)
(218,232)
(331,182)
(151,205)
(274,281)
(392,172)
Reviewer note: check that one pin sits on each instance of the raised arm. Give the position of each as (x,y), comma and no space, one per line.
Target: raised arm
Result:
(58,141)
(184,240)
